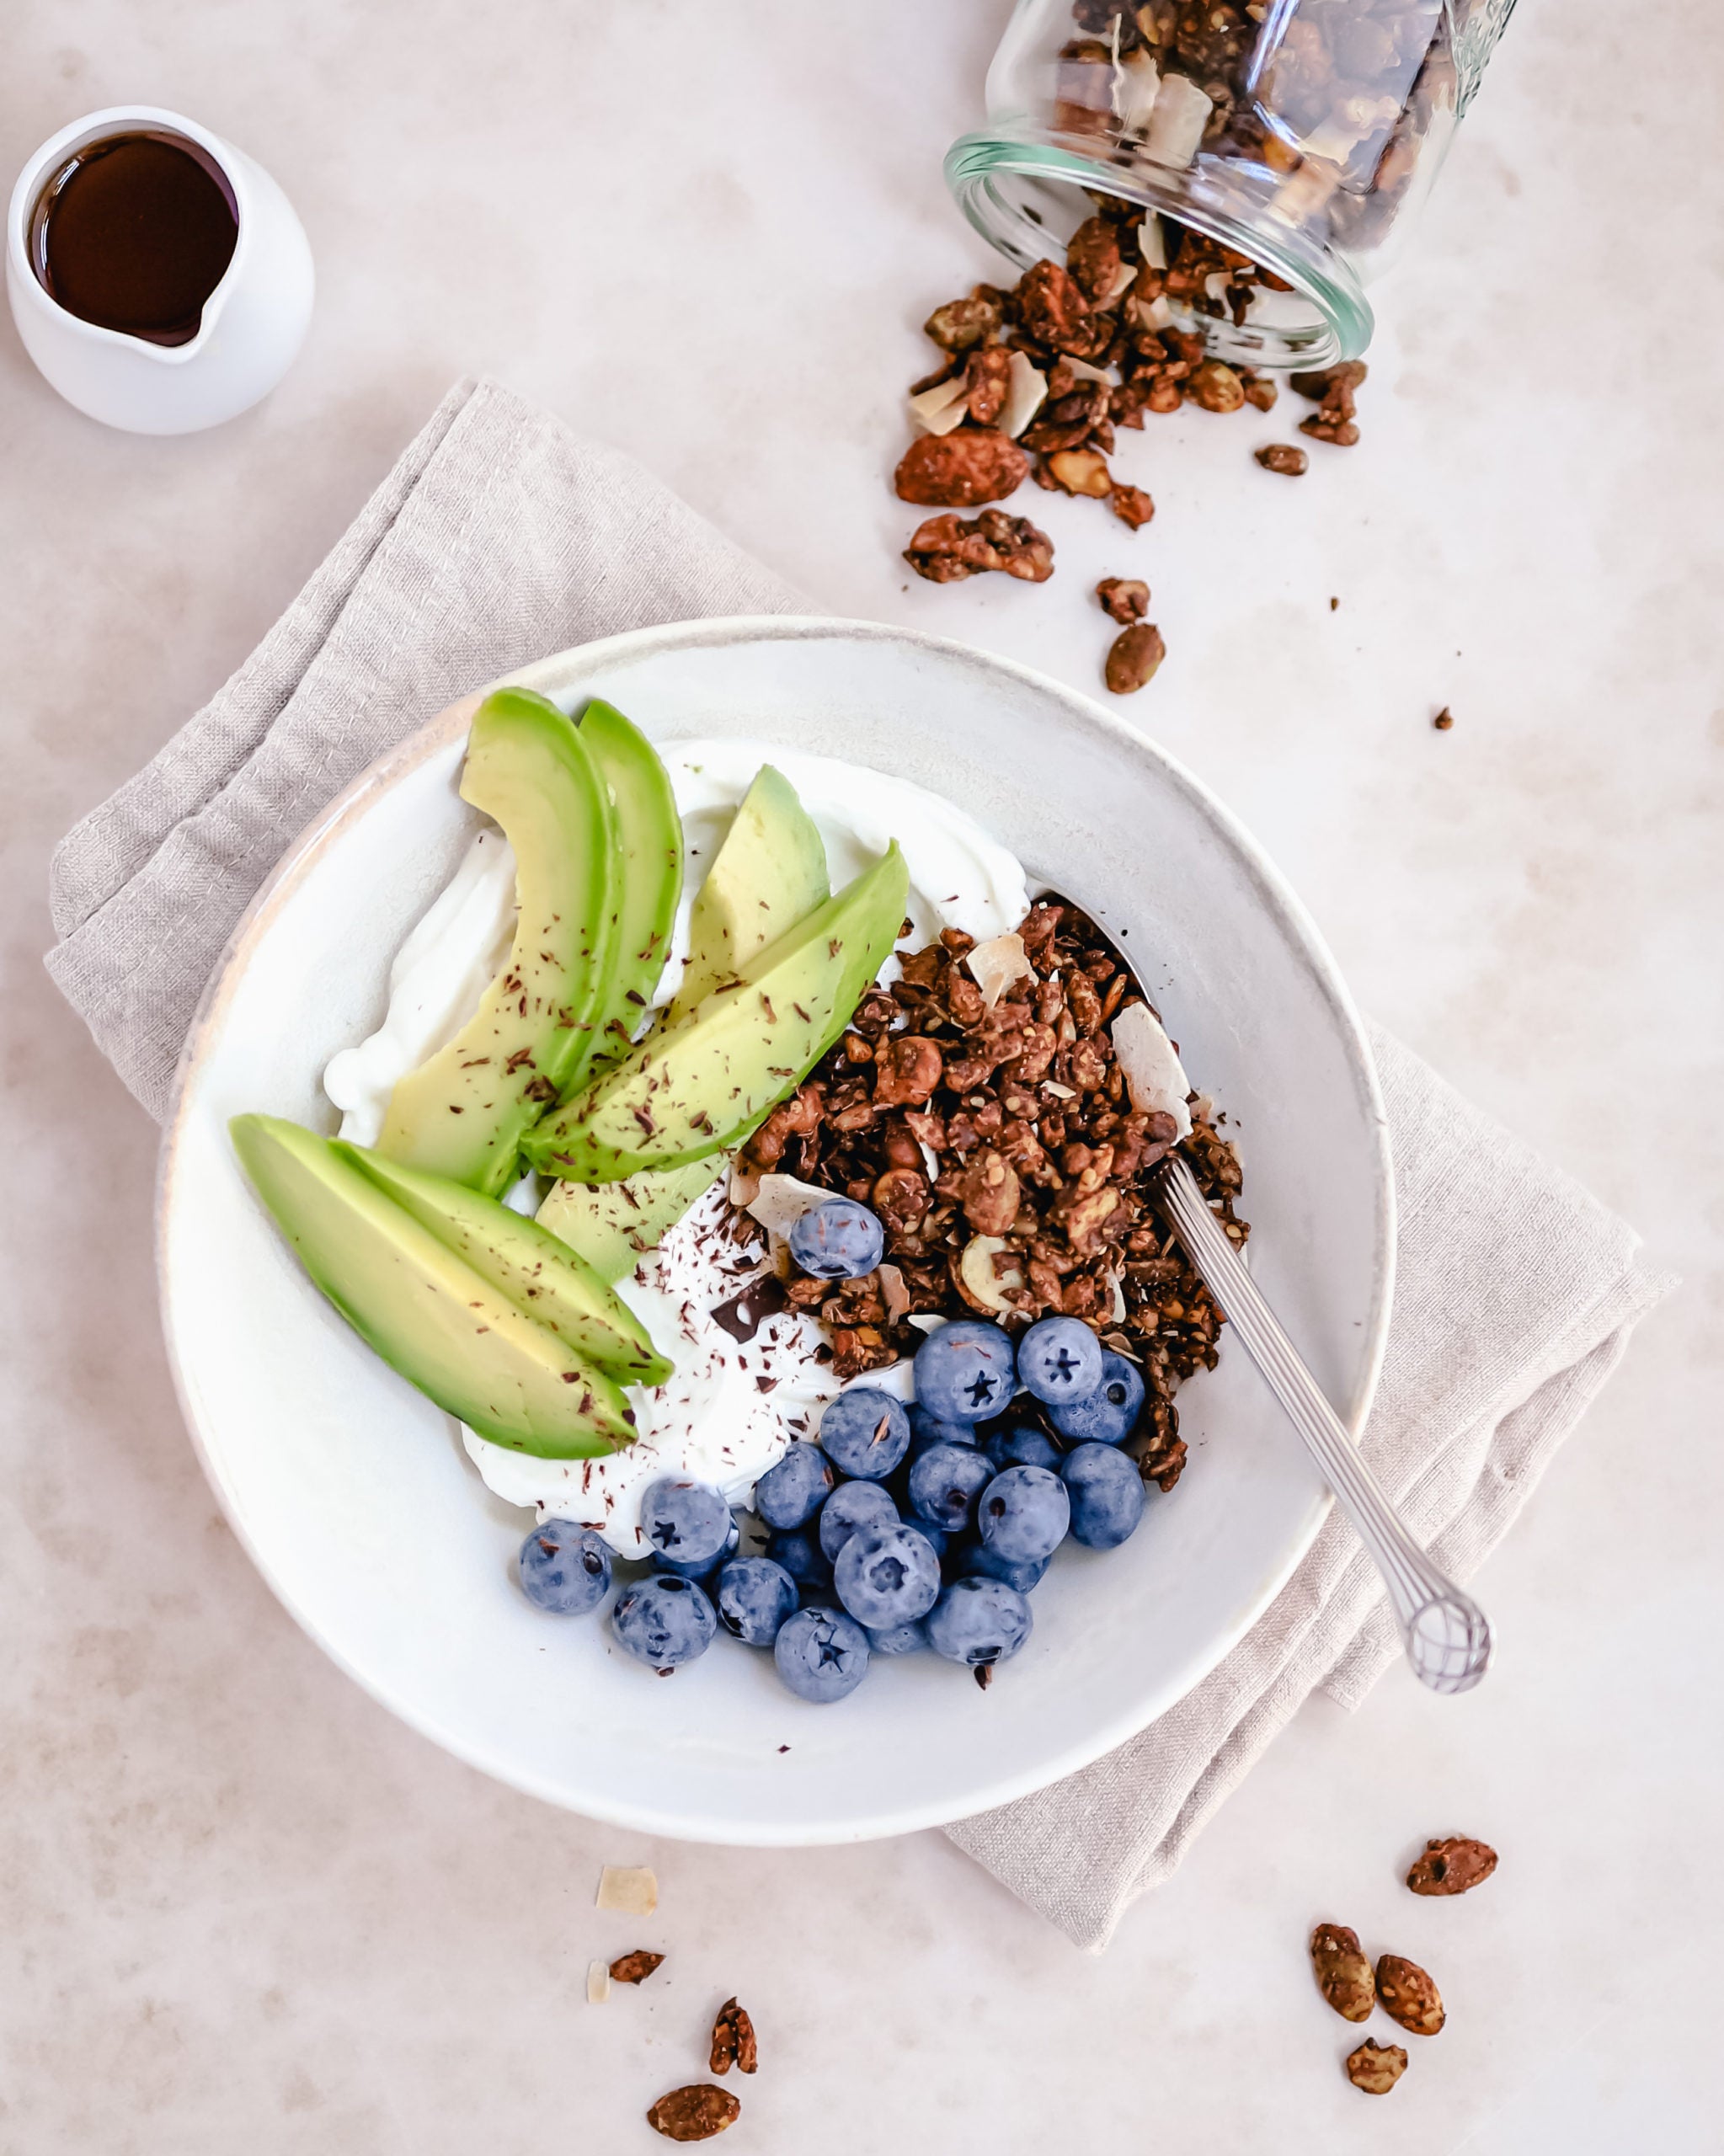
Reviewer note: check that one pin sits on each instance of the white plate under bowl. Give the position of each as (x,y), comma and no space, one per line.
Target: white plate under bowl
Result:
(351,1491)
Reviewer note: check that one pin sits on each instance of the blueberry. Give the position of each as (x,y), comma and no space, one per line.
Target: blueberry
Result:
(790,1494)
(1059,1359)
(865,1433)
(837,1240)
(700,1568)
(963,1372)
(798,1553)
(1107,1495)
(901,1639)
(821,1656)
(1021,1445)
(664,1620)
(852,1505)
(685,1520)
(756,1598)
(887,1576)
(945,1483)
(1109,1415)
(974,1560)
(1024,1513)
(979,1621)
(564,1568)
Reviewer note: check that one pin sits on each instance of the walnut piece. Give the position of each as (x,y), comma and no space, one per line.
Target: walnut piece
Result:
(945,549)
(734,2040)
(1375,2068)
(1215,386)
(1284,457)
(1133,657)
(635,1967)
(1409,1996)
(1124,598)
(1343,1974)
(1452,1865)
(1132,505)
(695,2113)
(961,469)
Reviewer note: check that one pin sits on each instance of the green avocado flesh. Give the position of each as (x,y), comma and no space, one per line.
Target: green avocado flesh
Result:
(614,1225)
(649,878)
(429,1313)
(689,1089)
(769,874)
(463,1113)
(540,1274)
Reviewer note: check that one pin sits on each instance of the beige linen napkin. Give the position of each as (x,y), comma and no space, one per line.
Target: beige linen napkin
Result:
(499,537)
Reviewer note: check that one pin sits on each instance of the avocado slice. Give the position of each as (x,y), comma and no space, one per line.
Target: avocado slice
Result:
(527,1263)
(614,1225)
(769,874)
(462,1114)
(649,880)
(425,1311)
(691,1090)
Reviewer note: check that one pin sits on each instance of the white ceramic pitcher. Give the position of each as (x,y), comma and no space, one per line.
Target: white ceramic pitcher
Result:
(253,322)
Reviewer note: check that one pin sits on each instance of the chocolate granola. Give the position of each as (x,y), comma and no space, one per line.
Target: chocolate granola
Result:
(1000,1147)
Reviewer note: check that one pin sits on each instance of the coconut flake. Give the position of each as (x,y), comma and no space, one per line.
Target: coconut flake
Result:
(1060,1093)
(1154,1075)
(1152,241)
(941,408)
(893,1293)
(994,965)
(780,1201)
(1176,129)
(976,1269)
(1081,371)
(1117,1313)
(1025,388)
(744,1186)
(1136,87)
(1123,278)
(929,1322)
(633,1888)
(598,1983)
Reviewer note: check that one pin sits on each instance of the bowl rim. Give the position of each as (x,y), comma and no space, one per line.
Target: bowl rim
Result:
(300,858)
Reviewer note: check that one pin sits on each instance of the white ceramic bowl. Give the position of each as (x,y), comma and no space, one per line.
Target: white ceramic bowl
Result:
(351,1491)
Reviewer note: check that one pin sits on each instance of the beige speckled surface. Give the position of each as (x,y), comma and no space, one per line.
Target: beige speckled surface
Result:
(239,1905)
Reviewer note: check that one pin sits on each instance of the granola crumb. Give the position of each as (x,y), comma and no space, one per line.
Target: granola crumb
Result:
(1134,657)
(695,2113)
(1375,2068)
(635,1967)
(1443,720)
(1452,1865)
(1285,457)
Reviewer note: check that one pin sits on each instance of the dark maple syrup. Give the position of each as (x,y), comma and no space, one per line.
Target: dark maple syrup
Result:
(134,232)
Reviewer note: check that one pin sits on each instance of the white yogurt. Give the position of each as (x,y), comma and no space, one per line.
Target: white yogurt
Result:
(725,1415)
(731,1407)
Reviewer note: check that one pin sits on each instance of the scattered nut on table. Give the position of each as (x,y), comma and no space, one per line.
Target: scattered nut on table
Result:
(1375,2068)
(695,2113)
(734,2040)
(635,1967)
(1133,658)
(1343,1974)
(1408,1995)
(1124,598)
(1452,1865)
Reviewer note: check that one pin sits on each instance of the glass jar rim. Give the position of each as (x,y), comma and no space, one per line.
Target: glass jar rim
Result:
(977,161)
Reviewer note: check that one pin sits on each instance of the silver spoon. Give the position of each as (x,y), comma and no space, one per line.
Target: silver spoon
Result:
(1446,1635)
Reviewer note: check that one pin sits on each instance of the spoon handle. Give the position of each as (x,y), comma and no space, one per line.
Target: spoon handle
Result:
(1447,1635)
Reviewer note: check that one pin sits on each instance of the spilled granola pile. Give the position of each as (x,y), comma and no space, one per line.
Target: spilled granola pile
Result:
(1036,381)
(991,1129)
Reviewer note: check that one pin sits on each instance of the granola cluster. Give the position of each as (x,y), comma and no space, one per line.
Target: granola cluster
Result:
(1000,1147)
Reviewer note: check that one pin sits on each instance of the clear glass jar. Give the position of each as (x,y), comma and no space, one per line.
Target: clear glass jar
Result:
(1299,133)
